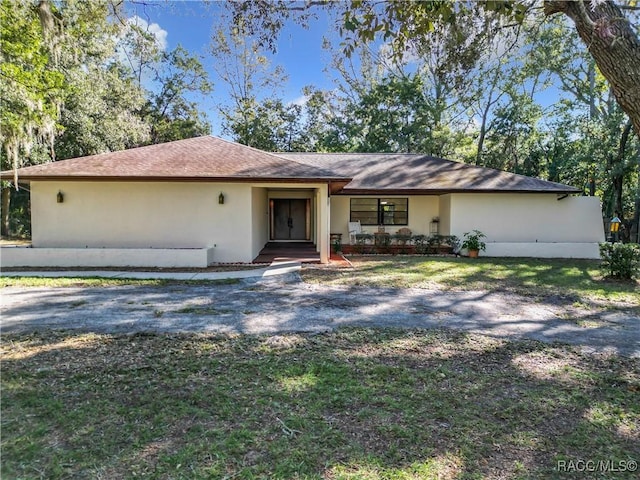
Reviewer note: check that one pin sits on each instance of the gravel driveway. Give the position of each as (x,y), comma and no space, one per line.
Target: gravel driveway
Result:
(286,304)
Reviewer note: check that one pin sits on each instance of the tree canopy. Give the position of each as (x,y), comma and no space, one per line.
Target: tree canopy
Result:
(72,85)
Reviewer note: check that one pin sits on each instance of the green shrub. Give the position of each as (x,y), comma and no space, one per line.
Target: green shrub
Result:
(362,239)
(620,260)
(422,243)
(337,245)
(473,240)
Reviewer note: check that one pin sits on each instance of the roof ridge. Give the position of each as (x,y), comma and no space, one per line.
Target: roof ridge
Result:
(278,156)
(272,154)
(353,153)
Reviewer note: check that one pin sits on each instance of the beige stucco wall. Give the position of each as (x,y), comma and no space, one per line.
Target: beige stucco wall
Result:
(445,214)
(162,215)
(528,217)
(515,224)
(422,209)
(144,215)
(260,219)
(531,225)
(323,220)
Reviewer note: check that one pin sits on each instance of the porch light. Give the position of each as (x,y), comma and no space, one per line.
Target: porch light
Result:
(615,225)
(60,197)
(614,228)
(221,198)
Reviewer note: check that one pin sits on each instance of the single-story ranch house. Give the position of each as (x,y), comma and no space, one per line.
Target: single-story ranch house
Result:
(206,200)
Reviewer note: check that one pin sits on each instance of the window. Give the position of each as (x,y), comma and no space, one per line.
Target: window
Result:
(380,211)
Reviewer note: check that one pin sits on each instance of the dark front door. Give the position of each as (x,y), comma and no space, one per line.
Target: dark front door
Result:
(289,219)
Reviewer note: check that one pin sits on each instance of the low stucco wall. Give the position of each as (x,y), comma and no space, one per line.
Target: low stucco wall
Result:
(543,250)
(105,257)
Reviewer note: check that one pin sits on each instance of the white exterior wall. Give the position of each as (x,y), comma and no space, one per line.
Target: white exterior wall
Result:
(532,225)
(144,215)
(127,221)
(422,209)
(340,216)
(445,215)
(260,220)
(323,220)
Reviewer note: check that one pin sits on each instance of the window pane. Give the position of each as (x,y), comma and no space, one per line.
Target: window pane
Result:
(365,210)
(365,218)
(376,211)
(400,204)
(394,211)
(364,204)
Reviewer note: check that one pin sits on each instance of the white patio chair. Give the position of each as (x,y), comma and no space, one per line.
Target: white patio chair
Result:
(354,229)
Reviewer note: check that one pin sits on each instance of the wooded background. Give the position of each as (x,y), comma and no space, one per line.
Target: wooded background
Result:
(464,81)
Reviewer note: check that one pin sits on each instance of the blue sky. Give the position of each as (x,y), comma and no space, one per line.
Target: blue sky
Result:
(190,24)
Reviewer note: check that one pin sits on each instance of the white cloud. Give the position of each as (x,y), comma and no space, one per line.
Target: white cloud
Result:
(156,30)
(301,101)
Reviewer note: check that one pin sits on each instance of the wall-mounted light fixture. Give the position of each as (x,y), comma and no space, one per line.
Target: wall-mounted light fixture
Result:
(221,198)
(60,197)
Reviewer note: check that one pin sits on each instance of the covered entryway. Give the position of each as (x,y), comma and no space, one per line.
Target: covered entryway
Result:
(290,214)
(290,219)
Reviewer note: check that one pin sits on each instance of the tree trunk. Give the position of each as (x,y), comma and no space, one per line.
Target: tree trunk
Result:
(635,224)
(617,166)
(612,42)
(6,204)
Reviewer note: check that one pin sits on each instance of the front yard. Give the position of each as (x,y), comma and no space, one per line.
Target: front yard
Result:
(358,403)
(355,404)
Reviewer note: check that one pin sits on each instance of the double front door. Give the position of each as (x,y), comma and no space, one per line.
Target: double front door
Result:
(290,219)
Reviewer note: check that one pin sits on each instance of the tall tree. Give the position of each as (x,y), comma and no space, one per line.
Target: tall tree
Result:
(31,88)
(102,106)
(245,71)
(599,130)
(169,112)
(604,27)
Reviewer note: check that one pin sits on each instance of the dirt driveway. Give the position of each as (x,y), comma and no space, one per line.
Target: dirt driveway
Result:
(286,304)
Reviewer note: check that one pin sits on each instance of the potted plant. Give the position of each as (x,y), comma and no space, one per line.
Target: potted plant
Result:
(473,243)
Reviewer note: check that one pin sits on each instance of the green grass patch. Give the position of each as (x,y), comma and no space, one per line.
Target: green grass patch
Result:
(357,403)
(104,282)
(581,280)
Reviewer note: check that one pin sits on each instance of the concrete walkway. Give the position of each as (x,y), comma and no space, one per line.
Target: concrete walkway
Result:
(276,268)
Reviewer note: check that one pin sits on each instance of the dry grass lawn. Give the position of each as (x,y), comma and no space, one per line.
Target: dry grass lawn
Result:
(358,403)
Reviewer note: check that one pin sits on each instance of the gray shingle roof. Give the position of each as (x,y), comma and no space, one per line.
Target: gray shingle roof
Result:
(413,173)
